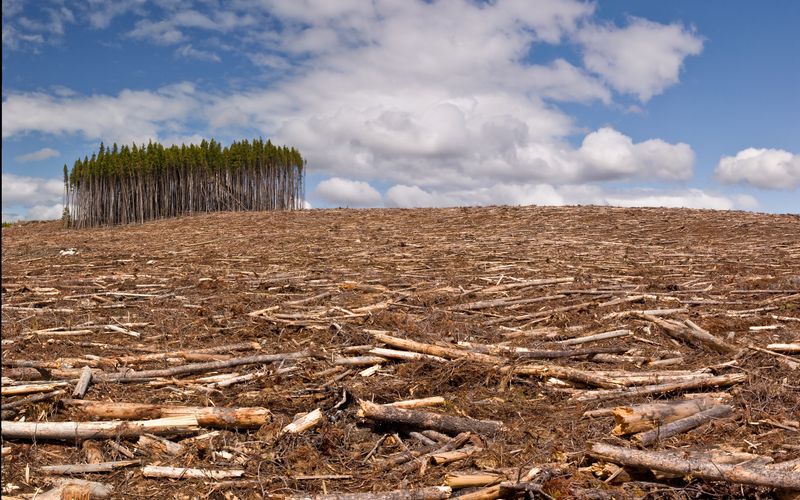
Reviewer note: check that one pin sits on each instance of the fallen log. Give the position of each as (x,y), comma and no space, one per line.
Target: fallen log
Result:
(427,420)
(83,382)
(434,350)
(67,431)
(430,493)
(562,372)
(304,422)
(13,390)
(210,416)
(639,418)
(700,468)
(648,390)
(189,473)
(32,399)
(597,336)
(88,468)
(135,376)
(678,426)
(74,489)
(92,452)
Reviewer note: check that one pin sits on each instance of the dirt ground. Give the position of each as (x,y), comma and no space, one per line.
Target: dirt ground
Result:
(192,283)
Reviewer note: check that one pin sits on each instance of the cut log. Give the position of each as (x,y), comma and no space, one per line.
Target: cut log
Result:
(639,418)
(12,390)
(83,383)
(793,348)
(430,493)
(359,360)
(405,355)
(92,451)
(189,473)
(700,468)
(562,372)
(135,376)
(156,445)
(74,489)
(418,403)
(88,468)
(689,332)
(32,399)
(458,480)
(678,426)
(78,431)
(304,422)
(647,390)
(597,336)
(244,417)
(162,356)
(434,350)
(427,420)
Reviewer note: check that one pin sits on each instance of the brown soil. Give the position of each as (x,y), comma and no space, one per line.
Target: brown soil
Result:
(199,277)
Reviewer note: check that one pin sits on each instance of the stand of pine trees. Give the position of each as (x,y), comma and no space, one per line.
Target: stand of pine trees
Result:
(135,184)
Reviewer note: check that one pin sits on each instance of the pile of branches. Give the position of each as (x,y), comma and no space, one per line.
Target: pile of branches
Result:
(140,183)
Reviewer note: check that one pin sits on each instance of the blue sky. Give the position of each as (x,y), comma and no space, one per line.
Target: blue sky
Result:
(406,103)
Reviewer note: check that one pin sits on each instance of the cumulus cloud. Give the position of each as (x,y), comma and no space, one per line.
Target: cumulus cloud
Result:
(643,58)
(347,193)
(545,194)
(39,155)
(764,168)
(26,191)
(439,99)
(45,212)
(129,116)
(608,154)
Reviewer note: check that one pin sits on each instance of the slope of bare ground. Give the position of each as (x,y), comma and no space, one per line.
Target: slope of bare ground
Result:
(473,280)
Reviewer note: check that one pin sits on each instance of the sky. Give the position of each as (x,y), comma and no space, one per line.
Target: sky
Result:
(409,103)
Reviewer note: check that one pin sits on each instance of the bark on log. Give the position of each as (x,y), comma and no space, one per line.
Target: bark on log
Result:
(668,430)
(704,469)
(244,417)
(639,418)
(430,493)
(427,420)
(458,480)
(67,431)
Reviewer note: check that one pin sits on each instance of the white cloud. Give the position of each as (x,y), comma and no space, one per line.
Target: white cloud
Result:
(129,116)
(609,154)
(347,193)
(41,154)
(44,212)
(764,168)
(437,98)
(546,194)
(30,191)
(190,52)
(643,58)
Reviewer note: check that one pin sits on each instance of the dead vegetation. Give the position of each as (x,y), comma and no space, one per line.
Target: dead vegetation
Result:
(480,353)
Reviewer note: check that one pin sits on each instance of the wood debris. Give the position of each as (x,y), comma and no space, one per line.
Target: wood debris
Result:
(404,354)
